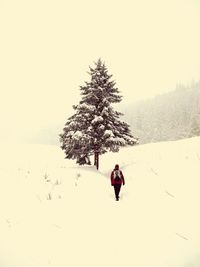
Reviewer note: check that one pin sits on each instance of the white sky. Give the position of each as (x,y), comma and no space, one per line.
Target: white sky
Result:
(47,46)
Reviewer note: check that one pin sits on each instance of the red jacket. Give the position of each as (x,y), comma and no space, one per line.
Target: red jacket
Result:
(113,181)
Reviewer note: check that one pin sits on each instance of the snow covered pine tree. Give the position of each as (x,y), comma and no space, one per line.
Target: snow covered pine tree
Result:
(95,127)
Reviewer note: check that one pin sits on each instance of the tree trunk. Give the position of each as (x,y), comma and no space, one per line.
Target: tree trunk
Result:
(97,163)
(96,159)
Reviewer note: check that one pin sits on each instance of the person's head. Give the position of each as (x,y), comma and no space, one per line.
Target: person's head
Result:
(116,167)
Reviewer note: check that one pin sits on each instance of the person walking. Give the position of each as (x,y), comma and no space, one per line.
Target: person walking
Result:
(117,179)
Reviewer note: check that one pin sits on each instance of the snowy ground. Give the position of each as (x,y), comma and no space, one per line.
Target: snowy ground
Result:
(55,214)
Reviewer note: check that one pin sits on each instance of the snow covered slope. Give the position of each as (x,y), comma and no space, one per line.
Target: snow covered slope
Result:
(55,214)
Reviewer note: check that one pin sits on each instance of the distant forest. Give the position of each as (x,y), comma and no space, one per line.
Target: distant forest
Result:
(170,116)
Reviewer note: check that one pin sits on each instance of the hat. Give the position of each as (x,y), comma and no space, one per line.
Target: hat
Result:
(116,166)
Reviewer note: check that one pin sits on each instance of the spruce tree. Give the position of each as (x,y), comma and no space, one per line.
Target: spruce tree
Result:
(95,128)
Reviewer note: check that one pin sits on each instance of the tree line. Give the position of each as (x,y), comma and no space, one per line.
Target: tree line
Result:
(171,116)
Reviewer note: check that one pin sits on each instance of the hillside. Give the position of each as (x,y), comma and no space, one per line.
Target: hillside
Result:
(54,213)
(171,116)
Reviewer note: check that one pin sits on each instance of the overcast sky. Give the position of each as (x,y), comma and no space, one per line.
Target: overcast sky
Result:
(47,45)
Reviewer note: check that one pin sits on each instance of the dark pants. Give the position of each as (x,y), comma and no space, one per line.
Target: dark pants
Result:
(117,188)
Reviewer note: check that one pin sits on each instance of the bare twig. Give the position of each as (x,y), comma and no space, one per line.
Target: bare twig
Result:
(154,171)
(169,194)
(182,236)
(49,197)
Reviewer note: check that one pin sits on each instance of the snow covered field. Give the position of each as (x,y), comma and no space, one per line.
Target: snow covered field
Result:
(56,214)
